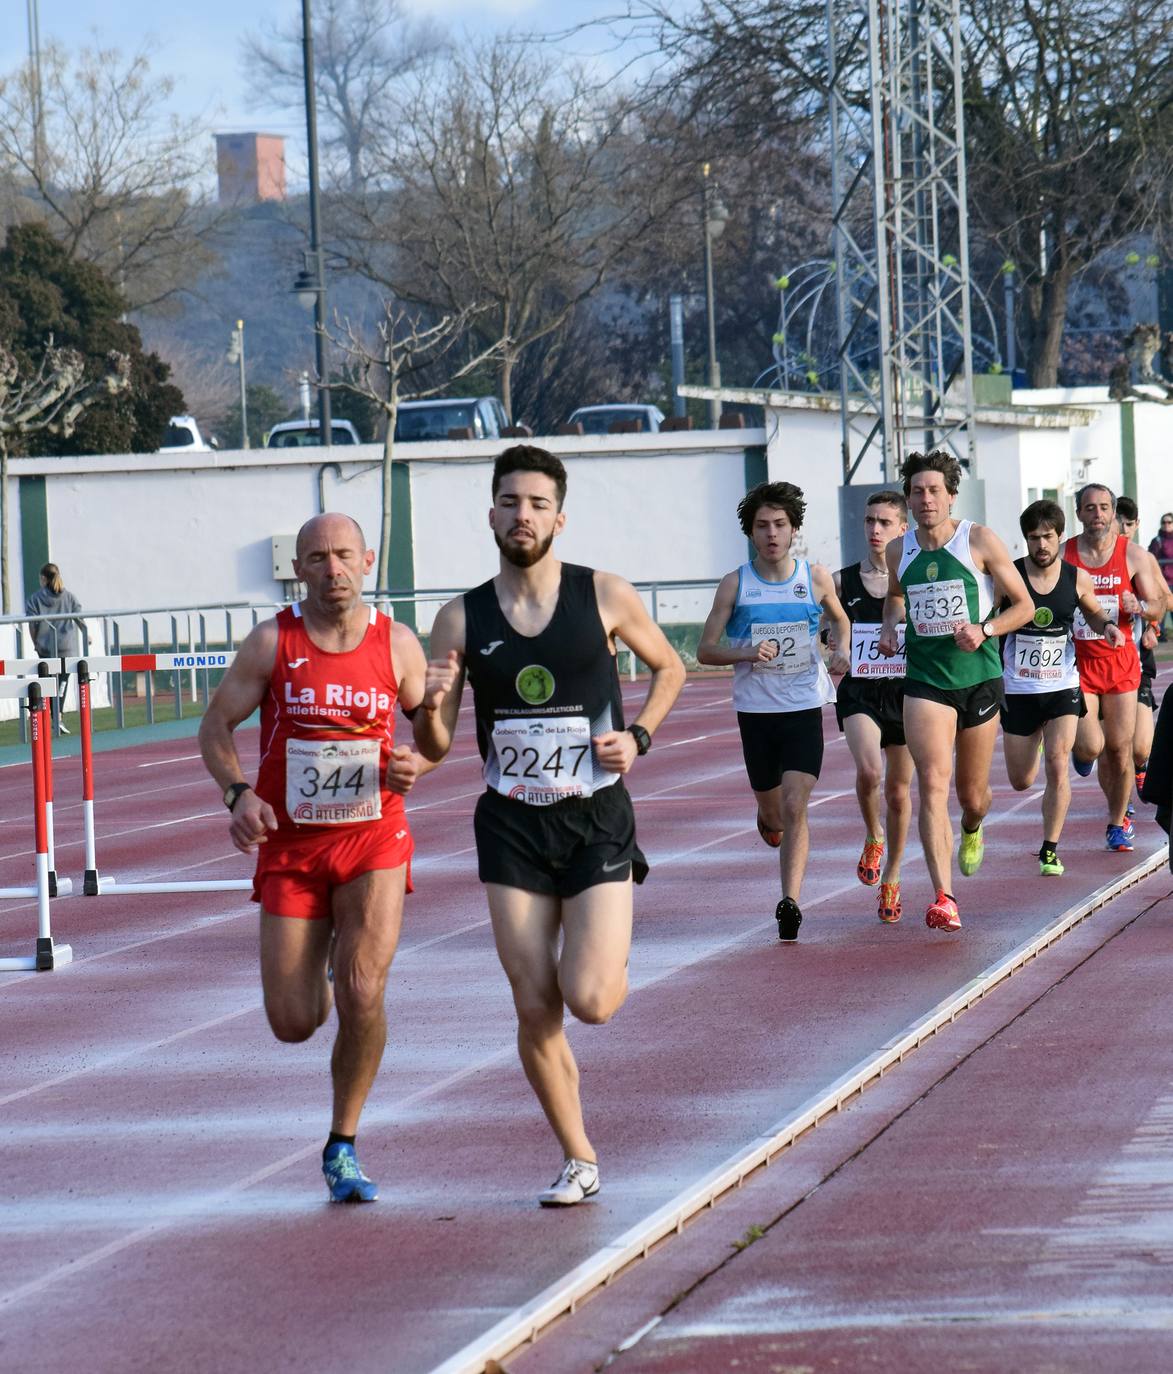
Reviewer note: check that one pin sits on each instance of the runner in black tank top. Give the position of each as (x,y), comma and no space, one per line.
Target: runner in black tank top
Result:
(1044,701)
(555,830)
(869,707)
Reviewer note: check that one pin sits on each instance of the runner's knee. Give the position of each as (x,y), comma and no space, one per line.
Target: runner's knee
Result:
(896,794)
(596,1001)
(292,1023)
(868,776)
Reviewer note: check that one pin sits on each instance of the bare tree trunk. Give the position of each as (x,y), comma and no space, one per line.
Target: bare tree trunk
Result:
(507,364)
(5,595)
(1047,311)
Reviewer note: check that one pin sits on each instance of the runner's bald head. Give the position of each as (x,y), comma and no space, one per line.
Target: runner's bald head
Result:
(329,523)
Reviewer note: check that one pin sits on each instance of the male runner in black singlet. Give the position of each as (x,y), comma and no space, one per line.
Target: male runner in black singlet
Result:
(869,706)
(555,830)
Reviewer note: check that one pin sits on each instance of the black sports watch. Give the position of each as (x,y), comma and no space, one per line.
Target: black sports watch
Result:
(232,793)
(643,741)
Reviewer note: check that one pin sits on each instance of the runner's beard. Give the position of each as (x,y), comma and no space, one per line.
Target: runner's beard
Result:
(524,557)
(1051,557)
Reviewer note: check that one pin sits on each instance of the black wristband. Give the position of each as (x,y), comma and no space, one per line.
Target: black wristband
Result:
(643,741)
(234,793)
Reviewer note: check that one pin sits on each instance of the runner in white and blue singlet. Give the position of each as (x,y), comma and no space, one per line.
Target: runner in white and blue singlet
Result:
(768,612)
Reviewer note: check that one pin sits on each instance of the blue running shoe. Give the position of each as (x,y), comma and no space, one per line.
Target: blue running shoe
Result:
(1117,839)
(1083,769)
(345,1180)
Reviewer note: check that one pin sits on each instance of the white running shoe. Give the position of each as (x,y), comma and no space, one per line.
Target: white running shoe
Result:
(578,1180)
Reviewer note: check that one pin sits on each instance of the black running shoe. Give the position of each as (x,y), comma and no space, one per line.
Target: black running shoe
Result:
(789,918)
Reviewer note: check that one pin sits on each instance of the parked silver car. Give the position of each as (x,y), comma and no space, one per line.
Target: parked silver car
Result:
(599,419)
(418,420)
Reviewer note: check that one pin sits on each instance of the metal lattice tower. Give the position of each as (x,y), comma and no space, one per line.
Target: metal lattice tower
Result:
(901,235)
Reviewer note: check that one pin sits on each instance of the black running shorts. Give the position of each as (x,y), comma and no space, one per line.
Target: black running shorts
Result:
(882,701)
(1144,695)
(777,742)
(1026,712)
(558,850)
(976,705)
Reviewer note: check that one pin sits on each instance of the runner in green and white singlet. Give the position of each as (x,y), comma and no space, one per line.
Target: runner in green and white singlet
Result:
(944,579)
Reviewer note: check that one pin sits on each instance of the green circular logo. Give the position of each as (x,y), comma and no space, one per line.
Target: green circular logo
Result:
(931,572)
(1044,617)
(535,684)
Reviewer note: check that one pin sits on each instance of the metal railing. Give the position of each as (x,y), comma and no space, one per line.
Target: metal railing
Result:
(204,628)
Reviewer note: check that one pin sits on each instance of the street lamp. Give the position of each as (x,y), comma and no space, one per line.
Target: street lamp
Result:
(311,281)
(714,215)
(236,355)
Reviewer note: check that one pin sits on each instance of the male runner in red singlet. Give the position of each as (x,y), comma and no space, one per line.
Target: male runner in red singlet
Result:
(1110,677)
(326,817)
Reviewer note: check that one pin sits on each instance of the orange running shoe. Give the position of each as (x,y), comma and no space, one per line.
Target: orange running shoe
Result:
(870,862)
(943,914)
(890,907)
(772,837)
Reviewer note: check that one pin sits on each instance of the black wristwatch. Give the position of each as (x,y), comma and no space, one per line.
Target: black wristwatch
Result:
(232,793)
(643,741)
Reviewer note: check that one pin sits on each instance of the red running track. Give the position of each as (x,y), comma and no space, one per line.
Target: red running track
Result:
(163,1206)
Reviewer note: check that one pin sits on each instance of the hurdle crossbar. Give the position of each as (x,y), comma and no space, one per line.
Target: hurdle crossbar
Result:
(94,884)
(48,955)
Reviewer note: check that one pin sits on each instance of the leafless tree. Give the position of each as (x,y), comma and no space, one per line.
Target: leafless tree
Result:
(1069,126)
(513,183)
(362,51)
(409,359)
(118,181)
(52,397)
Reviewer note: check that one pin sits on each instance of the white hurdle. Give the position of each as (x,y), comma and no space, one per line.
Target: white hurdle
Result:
(48,955)
(95,885)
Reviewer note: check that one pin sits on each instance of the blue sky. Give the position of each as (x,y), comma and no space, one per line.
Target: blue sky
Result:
(198,44)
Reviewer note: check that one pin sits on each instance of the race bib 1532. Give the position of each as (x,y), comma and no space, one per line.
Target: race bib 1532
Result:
(937,608)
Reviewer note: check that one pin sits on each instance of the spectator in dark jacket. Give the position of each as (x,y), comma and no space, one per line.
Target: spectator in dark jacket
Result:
(54,638)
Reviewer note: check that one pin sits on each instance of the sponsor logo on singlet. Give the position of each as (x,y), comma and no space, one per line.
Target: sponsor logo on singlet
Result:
(931,572)
(1044,617)
(342,699)
(535,684)
(800,589)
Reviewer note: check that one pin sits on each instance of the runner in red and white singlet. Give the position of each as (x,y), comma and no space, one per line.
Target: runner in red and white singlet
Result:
(326,817)
(1109,676)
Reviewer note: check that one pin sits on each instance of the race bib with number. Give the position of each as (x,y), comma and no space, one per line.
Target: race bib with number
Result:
(1040,658)
(792,638)
(866,659)
(544,759)
(937,608)
(1109,605)
(332,781)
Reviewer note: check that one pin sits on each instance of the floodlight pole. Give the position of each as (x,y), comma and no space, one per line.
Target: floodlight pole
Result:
(325,431)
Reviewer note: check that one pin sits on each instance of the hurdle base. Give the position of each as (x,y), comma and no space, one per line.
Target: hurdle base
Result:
(51,956)
(60,887)
(91,884)
(112,886)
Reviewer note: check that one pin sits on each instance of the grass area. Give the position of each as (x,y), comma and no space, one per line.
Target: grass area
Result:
(134,713)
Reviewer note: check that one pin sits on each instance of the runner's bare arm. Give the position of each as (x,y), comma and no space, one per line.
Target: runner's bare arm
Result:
(1148,600)
(710,650)
(240,692)
(889,642)
(625,617)
(826,594)
(439,706)
(406,766)
(1093,612)
(991,556)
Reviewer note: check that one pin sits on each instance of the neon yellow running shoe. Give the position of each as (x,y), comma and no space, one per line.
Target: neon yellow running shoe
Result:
(973,848)
(1050,865)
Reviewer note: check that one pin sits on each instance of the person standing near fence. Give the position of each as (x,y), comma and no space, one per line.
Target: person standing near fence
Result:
(1161,547)
(54,639)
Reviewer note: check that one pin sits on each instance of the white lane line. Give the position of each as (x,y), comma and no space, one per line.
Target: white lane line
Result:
(162,763)
(214,1202)
(524,1325)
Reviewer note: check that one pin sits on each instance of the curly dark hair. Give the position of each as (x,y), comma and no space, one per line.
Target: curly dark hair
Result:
(937,461)
(1043,515)
(782,495)
(530,458)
